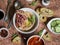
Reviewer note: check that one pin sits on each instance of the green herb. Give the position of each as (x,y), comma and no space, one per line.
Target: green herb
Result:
(57,28)
(33,3)
(58,21)
(14,35)
(53,23)
(40,33)
(32,19)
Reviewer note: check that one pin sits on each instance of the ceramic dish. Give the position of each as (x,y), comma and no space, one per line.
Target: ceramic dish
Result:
(33,28)
(4,34)
(35,36)
(49,25)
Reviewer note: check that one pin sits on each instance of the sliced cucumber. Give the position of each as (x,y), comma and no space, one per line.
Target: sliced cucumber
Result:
(53,23)
(57,28)
(58,24)
(58,21)
(53,28)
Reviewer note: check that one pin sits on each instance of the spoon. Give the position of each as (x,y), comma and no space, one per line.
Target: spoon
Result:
(17,4)
(44,31)
(7,11)
(29,0)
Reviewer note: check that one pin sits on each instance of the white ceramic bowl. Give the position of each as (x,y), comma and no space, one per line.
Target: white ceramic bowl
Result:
(6,30)
(45,4)
(31,11)
(49,26)
(32,37)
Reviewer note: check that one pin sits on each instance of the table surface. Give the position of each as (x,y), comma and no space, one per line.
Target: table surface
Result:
(54,5)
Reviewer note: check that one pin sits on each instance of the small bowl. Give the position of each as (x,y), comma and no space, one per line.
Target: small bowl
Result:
(7,34)
(34,36)
(35,26)
(45,4)
(49,26)
(3,13)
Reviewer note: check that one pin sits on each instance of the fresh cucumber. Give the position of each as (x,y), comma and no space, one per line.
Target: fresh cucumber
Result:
(58,21)
(53,28)
(58,24)
(57,28)
(53,23)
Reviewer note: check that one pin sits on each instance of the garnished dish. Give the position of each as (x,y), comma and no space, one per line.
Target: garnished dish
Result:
(24,20)
(42,17)
(33,40)
(16,39)
(47,12)
(54,25)
(44,12)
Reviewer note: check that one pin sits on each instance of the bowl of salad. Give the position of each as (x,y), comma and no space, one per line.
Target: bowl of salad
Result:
(54,25)
(25,20)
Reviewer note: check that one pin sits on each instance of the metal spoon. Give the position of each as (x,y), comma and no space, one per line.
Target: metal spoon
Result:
(17,4)
(7,11)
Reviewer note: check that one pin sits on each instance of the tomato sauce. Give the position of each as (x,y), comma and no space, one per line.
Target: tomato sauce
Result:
(35,41)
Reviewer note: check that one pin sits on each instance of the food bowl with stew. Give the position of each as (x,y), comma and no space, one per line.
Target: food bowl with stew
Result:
(25,20)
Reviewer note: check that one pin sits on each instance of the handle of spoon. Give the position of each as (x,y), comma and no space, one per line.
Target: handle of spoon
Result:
(28,0)
(10,24)
(44,31)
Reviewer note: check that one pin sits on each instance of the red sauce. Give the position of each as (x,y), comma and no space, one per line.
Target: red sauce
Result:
(34,41)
